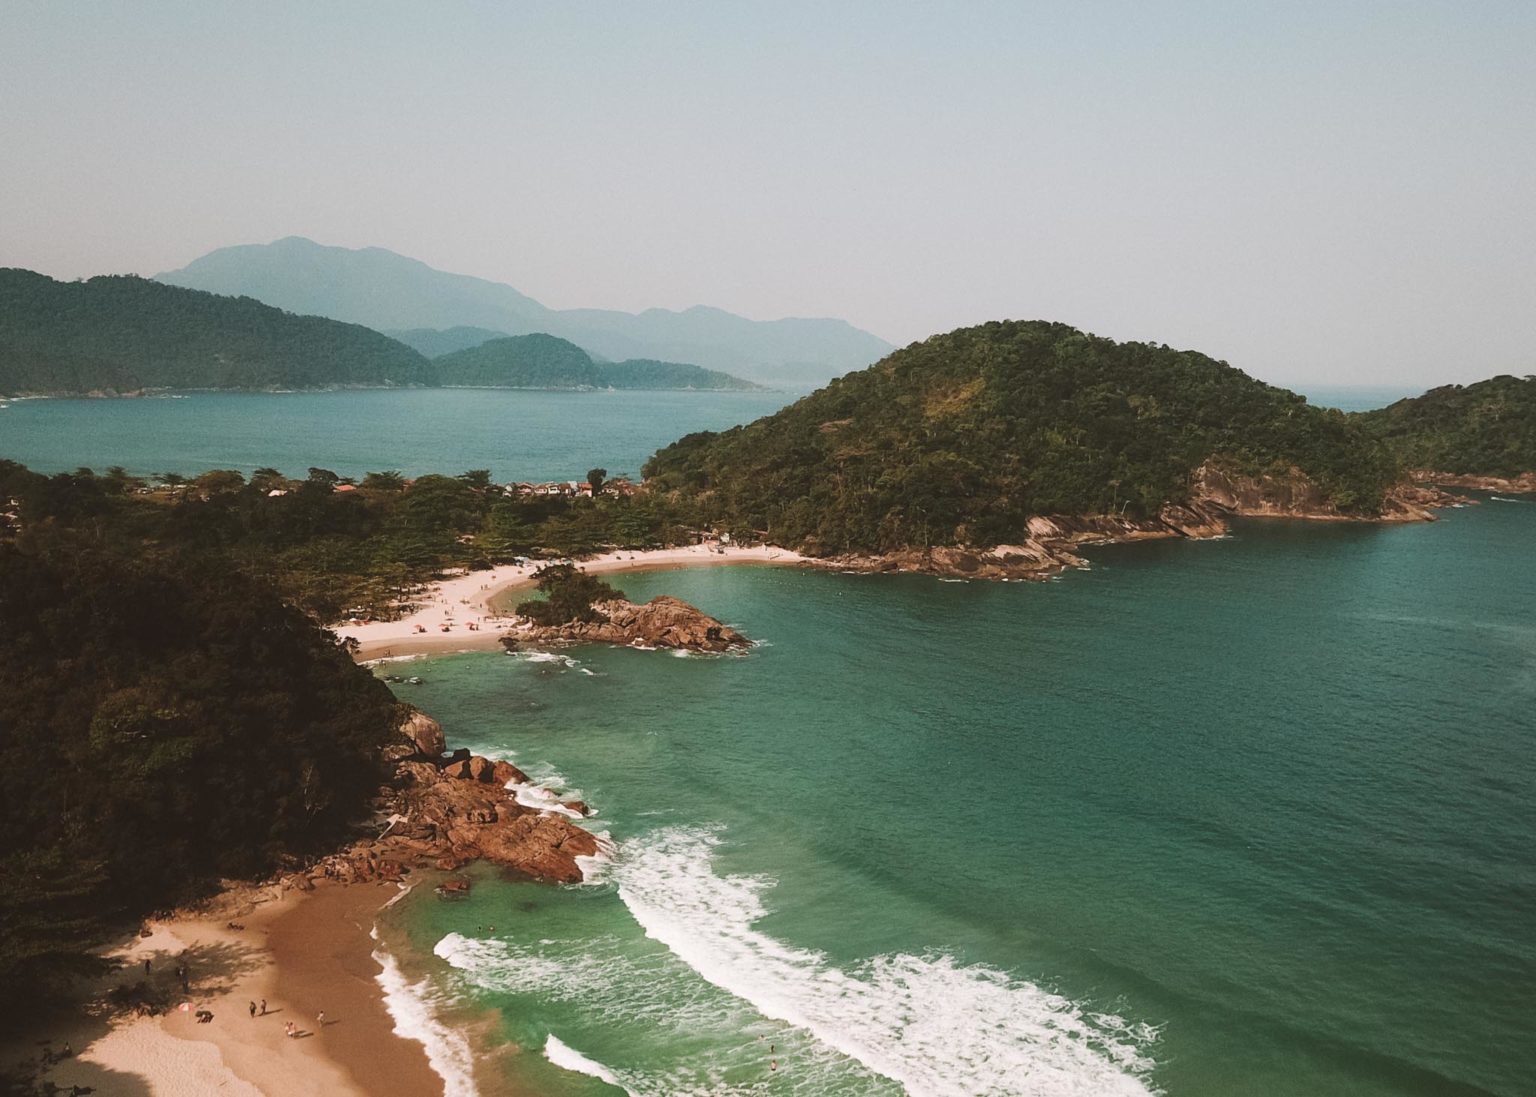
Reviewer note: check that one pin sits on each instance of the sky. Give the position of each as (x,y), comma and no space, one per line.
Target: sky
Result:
(1328,193)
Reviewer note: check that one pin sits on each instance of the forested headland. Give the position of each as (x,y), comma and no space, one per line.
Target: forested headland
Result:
(960,439)
(120,334)
(546,362)
(1483,429)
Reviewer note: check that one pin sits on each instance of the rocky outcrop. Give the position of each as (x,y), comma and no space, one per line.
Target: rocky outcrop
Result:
(663,622)
(1295,495)
(423,732)
(1050,545)
(443,813)
(1525,483)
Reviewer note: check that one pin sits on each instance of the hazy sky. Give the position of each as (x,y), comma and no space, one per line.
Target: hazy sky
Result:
(1332,192)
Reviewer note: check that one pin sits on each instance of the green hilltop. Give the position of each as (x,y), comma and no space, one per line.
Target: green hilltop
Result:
(547,362)
(960,439)
(1482,429)
(121,333)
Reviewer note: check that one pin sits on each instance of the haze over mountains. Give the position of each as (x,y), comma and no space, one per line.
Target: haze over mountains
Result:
(394,293)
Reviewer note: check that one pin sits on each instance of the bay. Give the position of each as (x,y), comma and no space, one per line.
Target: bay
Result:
(1246,816)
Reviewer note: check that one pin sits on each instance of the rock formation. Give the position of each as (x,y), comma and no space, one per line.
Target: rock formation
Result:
(1050,543)
(1525,483)
(441,813)
(663,622)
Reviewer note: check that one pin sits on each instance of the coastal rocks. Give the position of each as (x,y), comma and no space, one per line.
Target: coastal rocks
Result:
(1295,495)
(1523,484)
(425,733)
(444,813)
(663,622)
(1049,547)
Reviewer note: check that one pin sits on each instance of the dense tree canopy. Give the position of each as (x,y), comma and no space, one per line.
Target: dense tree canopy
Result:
(122,333)
(1484,429)
(961,438)
(545,362)
(166,721)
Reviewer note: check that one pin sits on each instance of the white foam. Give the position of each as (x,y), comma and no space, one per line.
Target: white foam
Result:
(568,1058)
(542,799)
(933,1025)
(594,867)
(410,1005)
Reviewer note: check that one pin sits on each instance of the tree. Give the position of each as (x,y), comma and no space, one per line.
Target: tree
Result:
(384,481)
(479,479)
(597,478)
(324,476)
(569,594)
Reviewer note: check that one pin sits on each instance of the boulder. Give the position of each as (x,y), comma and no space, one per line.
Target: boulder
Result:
(425,732)
(505,773)
(578,806)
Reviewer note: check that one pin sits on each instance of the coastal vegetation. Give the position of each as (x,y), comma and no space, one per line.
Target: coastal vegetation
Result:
(335,548)
(569,595)
(1482,429)
(961,439)
(169,720)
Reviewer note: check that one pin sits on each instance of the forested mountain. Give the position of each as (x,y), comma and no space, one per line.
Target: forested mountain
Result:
(123,333)
(390,292)
(167,721)
(963,437)
(1482,429)
(644,373)
(520,361)
(545,362)
(434,342)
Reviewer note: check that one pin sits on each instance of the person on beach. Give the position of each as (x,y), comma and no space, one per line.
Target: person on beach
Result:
(320,1018)
(146,965)
(263,1007)
(289,1029)
(253,1009)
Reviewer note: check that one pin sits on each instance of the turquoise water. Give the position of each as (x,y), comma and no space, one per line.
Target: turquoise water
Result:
(1254,817)
(522,435)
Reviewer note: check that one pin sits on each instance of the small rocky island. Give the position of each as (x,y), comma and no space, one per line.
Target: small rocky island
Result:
(579,608)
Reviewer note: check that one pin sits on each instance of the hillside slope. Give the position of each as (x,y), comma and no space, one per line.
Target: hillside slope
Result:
(962,439)
(121,334)
(1482,429)
(390,292)
(545,362)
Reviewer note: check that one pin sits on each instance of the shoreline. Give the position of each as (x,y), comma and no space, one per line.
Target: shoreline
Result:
(301,952)
(472,598)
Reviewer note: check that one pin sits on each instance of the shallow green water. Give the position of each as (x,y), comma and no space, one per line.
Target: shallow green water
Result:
(515,434)
(1241,817)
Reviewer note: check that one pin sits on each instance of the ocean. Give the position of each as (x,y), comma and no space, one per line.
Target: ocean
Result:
(516,434)
(1253,817)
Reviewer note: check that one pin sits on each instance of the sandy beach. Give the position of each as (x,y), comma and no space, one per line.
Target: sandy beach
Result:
(301,953)
(442,622)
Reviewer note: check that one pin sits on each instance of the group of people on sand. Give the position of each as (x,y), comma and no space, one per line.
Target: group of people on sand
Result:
(290,1028)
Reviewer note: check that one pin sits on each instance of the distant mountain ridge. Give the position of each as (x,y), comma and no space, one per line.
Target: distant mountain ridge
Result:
(435,342)
(547,362)
(121,334)
(390,292)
